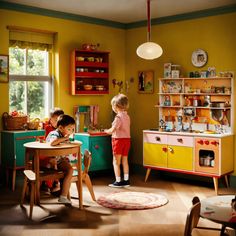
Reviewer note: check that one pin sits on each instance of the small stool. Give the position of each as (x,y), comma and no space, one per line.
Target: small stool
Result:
(29,180)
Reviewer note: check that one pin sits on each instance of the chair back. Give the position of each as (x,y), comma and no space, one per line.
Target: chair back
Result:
(87,161)
(192,219)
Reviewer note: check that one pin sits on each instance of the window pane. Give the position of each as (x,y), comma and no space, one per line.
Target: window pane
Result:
(36,99)
(17,96)
(36,103)
(17,61)
(37,62)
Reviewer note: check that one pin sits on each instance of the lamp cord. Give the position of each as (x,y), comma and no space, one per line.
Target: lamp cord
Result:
(148,22)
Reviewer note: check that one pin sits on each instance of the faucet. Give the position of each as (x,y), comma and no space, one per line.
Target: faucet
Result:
(190,123)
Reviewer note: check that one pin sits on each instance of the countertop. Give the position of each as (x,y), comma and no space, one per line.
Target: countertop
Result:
(193,134)
(93,134)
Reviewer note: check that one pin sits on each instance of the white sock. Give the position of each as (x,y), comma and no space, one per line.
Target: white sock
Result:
(118,179)
(126,177)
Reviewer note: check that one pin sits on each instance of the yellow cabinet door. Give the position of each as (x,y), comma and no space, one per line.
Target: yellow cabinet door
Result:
(180,157)
(155,155)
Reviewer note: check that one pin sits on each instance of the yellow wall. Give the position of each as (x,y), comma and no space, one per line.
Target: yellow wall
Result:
(216,34)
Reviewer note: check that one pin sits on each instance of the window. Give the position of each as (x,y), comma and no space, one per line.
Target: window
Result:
(30,88)
(30,69)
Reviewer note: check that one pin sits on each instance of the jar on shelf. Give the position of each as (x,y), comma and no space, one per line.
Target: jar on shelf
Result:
(175,71)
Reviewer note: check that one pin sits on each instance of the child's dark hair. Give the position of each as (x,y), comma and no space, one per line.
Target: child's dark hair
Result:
(57,112)
(65,120)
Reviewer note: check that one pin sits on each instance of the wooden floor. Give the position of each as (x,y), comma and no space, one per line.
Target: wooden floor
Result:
(53,218)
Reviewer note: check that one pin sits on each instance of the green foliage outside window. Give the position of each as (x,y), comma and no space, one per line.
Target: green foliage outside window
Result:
(28,95)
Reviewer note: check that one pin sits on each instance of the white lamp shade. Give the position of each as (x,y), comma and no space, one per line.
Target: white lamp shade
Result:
(149,51)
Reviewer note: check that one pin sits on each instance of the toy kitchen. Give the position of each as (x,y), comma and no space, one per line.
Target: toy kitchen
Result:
(195,133)
(92,137)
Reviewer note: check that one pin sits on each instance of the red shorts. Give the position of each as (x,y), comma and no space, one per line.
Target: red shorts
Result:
(121,146)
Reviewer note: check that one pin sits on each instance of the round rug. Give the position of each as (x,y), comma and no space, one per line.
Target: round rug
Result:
(132,200)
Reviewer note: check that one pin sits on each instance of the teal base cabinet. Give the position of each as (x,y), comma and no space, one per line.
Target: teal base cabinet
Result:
(13,151)
(100,148)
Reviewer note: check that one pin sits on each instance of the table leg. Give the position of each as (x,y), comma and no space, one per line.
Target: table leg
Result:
(80,194)
(37,182)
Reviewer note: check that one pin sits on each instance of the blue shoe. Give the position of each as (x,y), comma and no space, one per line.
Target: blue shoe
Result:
(125,183)
(116,185)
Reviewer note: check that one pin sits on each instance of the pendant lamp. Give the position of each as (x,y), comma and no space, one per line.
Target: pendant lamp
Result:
(149,50)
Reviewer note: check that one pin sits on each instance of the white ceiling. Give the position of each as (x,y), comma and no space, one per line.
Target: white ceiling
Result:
(125,11)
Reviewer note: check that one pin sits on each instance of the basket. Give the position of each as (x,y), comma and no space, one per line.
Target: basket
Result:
(14,122)
(34,124)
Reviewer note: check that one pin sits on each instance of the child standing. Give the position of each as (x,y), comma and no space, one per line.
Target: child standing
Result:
(65,127)
(120,132)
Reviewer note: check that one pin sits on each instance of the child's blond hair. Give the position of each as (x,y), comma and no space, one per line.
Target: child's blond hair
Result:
(121,101)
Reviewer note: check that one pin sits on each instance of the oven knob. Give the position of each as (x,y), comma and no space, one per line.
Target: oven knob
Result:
(207,142)
(164,149)
(200,142)
(214,143)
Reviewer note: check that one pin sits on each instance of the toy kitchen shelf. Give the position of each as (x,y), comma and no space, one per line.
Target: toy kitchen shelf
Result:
(205,97)
(89,72)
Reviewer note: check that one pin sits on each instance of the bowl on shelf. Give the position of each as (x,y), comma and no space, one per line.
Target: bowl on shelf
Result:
(79,58)
(100,87)
(90,59)
(88,87)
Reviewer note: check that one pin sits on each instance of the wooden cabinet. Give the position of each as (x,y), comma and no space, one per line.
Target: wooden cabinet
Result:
(13,151)
(167,152)
(100,148)
(208,155)
(89,72)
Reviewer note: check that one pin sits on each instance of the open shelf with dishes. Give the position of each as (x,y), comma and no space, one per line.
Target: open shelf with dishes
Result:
(89,72)
(204,100)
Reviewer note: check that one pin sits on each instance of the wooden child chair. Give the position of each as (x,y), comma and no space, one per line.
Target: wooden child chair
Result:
(29,181)
(29,184)
(85,176)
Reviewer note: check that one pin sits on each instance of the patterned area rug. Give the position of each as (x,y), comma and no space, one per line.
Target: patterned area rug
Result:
(132,200)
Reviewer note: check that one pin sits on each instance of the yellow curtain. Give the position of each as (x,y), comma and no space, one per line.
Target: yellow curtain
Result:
(24,38)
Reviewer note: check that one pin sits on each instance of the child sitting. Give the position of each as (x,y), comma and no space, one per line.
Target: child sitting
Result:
(49,162)
(65,127)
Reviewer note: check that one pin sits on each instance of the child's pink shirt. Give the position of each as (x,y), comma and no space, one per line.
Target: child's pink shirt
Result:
(122,125)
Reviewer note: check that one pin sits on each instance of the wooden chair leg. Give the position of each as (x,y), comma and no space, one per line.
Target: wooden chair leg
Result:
(13,179)
(24,190)
(32,193)
(89,185)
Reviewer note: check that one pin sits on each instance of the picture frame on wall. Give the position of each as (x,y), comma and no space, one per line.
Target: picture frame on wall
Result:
(4,68)
(146,81)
